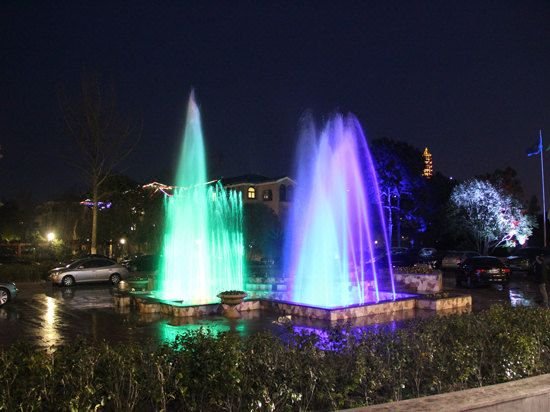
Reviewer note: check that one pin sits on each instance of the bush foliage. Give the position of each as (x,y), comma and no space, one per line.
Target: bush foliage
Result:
(302,371)
(24,272)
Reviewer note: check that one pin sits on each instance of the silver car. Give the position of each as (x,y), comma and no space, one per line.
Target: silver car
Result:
(8,291)
(87,270)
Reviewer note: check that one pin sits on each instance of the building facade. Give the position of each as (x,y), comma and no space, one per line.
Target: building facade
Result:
(275,193)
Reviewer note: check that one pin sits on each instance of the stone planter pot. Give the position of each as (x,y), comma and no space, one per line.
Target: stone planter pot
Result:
(229,301)
(138,283)
(235,299)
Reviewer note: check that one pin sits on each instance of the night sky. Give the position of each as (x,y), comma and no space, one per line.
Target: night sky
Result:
(470,80)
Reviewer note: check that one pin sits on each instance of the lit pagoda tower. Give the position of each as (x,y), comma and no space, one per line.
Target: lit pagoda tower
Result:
(428,166)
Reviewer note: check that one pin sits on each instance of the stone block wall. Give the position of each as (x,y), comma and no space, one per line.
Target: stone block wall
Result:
(420,282)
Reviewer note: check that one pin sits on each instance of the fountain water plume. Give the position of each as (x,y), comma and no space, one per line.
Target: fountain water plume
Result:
(203,252)
(330,252)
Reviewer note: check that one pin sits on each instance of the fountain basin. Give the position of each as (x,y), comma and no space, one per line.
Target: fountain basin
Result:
(443,301)
(146,303)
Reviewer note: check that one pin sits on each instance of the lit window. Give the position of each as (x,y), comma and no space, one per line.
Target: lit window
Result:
(282,193)
(267,195)
(251,193)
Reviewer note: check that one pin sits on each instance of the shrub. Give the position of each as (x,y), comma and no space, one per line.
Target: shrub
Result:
(421,268)
(338,368)
(23,272)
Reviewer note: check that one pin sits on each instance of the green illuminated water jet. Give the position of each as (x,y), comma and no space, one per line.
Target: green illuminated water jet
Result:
(203,252)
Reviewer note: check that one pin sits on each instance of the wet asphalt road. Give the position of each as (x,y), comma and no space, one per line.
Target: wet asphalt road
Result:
(47,315)
(521,291)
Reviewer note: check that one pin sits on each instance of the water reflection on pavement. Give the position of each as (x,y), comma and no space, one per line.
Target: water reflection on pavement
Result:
(47,316)
(521,291)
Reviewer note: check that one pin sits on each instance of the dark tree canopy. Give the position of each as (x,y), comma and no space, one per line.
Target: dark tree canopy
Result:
(399,168)
(507,180)
(262,231)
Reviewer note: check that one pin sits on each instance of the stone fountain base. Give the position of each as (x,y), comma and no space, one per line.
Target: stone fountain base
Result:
(146,303)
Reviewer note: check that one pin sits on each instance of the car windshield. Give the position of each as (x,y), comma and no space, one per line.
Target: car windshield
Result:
(97,263)
(75,264)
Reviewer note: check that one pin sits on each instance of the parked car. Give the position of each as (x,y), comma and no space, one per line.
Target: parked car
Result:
(454,258)
(430,256)
(89,270)
(8,292)
(402,257)
(411,257)
(427,253)
(482,270)
(522,260)
(398,250)
(142,263)
(71,259)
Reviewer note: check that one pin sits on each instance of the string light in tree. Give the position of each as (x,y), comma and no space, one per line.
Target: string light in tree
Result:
(100,205)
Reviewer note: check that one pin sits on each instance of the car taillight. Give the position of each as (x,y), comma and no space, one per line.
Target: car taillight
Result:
(478,271)
(506,270)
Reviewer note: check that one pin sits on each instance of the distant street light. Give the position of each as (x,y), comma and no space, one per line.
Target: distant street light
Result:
(50,236)
(122,241)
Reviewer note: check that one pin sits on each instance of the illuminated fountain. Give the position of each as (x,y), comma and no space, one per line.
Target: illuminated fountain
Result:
(203,251)
(334,268)
(336,218)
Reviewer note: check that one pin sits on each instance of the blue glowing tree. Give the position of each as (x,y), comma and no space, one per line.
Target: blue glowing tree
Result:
(399,168)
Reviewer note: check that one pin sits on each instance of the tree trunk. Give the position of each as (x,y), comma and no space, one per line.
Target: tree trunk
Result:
(485,246)
(390,221)
(398,218)
(74,238)
(95,196)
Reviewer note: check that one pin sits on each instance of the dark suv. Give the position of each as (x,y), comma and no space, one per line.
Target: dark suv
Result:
(482,270)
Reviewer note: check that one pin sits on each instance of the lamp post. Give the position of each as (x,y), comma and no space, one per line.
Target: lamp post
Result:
(122,242)
(535,150)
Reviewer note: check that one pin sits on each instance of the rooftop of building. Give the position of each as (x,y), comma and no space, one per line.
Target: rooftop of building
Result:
(250,179)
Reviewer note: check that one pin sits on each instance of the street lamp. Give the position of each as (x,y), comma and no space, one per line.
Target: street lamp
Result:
(122,249)
(50,236)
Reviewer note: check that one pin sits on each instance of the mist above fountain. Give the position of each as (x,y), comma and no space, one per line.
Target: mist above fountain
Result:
(203,252)
(336,218)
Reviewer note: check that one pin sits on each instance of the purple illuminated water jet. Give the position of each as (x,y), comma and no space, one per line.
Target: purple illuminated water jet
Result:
(330,252)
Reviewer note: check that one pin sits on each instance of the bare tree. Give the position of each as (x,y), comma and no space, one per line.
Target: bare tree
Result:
(103,136)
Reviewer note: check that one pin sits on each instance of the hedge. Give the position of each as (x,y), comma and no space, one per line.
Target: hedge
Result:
(24,272)
(340,368)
